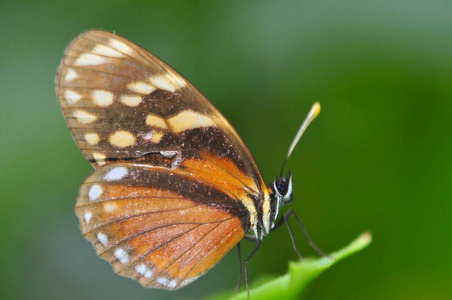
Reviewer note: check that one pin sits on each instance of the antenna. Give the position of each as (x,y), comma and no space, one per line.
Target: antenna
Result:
(313,113)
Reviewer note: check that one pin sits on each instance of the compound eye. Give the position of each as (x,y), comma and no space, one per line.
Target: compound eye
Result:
(282,187)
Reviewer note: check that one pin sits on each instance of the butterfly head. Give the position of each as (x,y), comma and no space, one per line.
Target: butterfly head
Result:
(282,189)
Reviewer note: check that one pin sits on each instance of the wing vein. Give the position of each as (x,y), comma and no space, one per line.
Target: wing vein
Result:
(182,254)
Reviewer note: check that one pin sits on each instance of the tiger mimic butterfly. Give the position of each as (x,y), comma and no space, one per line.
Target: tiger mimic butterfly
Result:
(175,187)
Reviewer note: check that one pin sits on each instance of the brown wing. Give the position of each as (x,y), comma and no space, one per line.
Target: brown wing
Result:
(122,103)
(156,225)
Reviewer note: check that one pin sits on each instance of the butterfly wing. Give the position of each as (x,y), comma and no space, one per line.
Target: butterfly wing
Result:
(152,224)
(121,103)
(175,187)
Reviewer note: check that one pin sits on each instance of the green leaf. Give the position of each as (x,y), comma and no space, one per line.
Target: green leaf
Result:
(300,274)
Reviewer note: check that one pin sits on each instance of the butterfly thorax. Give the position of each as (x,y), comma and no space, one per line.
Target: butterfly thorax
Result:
(280,193)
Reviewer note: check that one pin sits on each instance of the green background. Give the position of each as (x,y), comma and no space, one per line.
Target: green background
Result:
(379,156)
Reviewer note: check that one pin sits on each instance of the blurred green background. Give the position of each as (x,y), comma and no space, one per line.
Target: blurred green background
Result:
(379,156)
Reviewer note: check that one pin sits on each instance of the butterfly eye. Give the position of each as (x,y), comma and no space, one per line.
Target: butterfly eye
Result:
(282,187)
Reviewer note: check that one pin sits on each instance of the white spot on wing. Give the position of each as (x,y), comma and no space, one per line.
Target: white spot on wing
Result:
(103,239)
(88,215)
(116,173)
(89,60)
(120,46)
(143,270)
(172,284)
(102,98)
(71,96)
(106,51)
(70,75)
(84,117)
(189,119)
(141,87)
(94,192)
(122,255)
(163,281)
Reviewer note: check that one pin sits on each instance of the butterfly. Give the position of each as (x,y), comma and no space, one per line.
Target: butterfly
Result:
(175,188)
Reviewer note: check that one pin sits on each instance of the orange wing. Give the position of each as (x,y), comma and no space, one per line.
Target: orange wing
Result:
(157,225)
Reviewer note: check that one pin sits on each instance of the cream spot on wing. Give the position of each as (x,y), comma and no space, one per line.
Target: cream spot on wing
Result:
(154,136)
(106,51)
(91,138)
(120,46)
(94,192)
(116,173)
(163,83)
(87,59)
(99,157)
(70,75)
(189,119)
(122,139)
(103,239)
(141,87)
(88,215)
(102,98)
(131,100)
(84,117)
(110,206)
(155,121)
(122,255)
(71,96)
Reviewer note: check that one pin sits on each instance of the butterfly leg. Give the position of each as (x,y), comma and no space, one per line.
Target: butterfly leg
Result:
(259,241)
(240,268)
(286,216)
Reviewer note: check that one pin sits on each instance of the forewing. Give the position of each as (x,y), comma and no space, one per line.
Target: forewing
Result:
(122,104)
(156,225)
